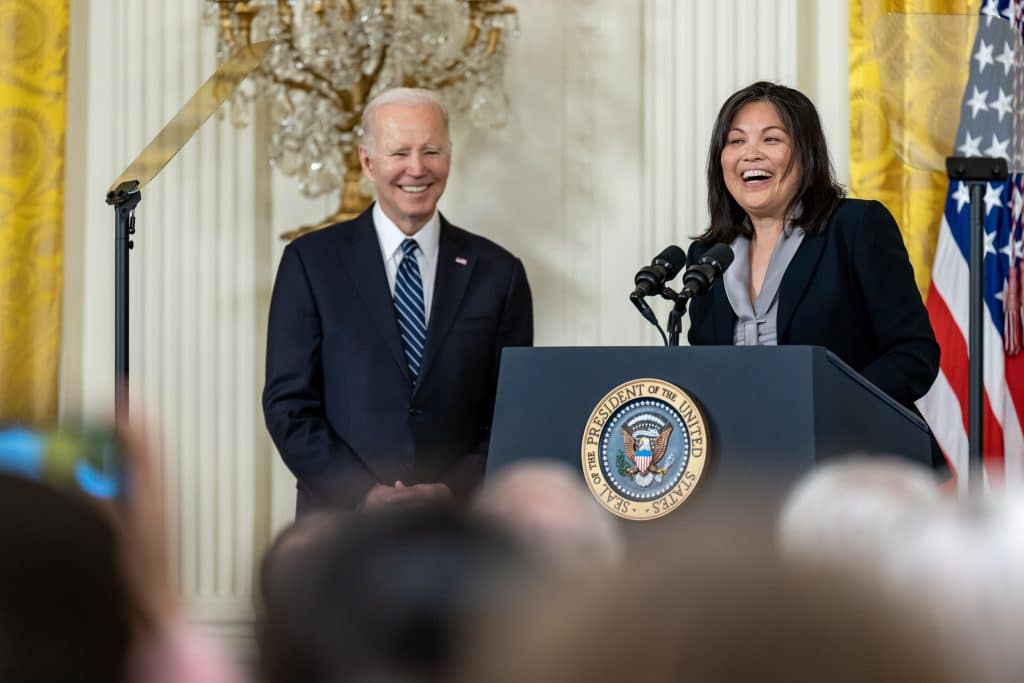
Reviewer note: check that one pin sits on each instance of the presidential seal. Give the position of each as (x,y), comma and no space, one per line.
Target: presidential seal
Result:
(644,448)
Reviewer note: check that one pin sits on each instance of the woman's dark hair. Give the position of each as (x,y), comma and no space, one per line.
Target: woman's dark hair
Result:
(818,193)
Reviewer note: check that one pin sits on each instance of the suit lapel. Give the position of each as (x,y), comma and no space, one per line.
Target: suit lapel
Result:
(798,276)
(362,259)
(455,264)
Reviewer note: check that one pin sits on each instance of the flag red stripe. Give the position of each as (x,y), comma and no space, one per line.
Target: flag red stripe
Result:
(953,361)
(1014,371)
(953,364)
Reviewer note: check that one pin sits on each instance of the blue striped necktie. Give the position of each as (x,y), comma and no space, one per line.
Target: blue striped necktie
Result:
(409,306)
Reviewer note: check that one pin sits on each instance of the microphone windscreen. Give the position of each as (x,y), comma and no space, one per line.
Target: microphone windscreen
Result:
(720,254)
(672,258)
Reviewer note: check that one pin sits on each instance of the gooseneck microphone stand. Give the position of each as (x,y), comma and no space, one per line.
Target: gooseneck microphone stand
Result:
(675,317)
(976,172)
(680,299)
(647,313)
(697,279)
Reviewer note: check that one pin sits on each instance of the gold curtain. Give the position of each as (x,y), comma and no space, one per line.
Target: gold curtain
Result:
(909,63)
(33,75)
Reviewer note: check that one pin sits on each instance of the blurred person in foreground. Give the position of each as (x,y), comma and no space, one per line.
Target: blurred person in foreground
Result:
(964,571)
(173,651)
(851,513)
(385,332)
(386,597)
(714,604)
(67,612)
(956,563)
(811,267)
(86,592)
(547,505)
(293,549)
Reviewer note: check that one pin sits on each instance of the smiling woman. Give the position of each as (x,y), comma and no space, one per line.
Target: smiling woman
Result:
(776,129)
(757,164)
(811,267)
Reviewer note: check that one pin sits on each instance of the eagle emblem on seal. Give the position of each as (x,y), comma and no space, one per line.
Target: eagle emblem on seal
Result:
(645,447)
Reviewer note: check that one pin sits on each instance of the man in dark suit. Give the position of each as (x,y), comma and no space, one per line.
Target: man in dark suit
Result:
(385,332)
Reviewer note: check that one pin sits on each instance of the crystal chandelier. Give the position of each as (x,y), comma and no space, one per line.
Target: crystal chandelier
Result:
(331,57)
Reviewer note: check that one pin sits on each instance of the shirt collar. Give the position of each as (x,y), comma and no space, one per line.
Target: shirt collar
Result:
(390,237)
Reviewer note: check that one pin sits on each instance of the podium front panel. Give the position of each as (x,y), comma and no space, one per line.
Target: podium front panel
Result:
(770,411)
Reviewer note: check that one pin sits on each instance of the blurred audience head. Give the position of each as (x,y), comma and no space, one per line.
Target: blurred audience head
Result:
(964,572)
(955,564)
(713,604)
(292,547)
(66,609)
(379,597)
(851,511)
(549,508)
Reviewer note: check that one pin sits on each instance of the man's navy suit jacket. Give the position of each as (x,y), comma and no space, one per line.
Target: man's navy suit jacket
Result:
(849,288)
(339,400)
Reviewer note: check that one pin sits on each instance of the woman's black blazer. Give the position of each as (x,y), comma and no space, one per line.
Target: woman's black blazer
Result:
(849,288)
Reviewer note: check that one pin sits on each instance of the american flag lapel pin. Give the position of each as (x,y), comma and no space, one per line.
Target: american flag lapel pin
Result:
(461,261)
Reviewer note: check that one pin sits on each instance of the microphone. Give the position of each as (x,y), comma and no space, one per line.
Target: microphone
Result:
(651,280)
(699,277)
(665,266)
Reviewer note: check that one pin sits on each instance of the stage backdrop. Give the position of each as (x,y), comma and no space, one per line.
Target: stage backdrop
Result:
(600,167)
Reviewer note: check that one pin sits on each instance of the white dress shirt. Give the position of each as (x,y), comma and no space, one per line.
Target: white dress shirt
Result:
(428,238)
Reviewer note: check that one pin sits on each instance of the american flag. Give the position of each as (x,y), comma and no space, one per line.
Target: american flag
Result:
(990,125)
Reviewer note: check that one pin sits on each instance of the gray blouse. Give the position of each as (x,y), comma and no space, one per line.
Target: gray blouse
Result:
(756,321)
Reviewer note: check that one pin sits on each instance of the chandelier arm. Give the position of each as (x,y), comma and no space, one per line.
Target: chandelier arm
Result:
(306,87)
(349,124)
(474,27)
(458,66)
(349,10)
(493,38)
(367,81)
(352,100)
(456,70)
(327,83)
(335,96)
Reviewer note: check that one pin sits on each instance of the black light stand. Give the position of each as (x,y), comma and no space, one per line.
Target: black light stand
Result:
(976,172)
(126,192)
(124,198)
